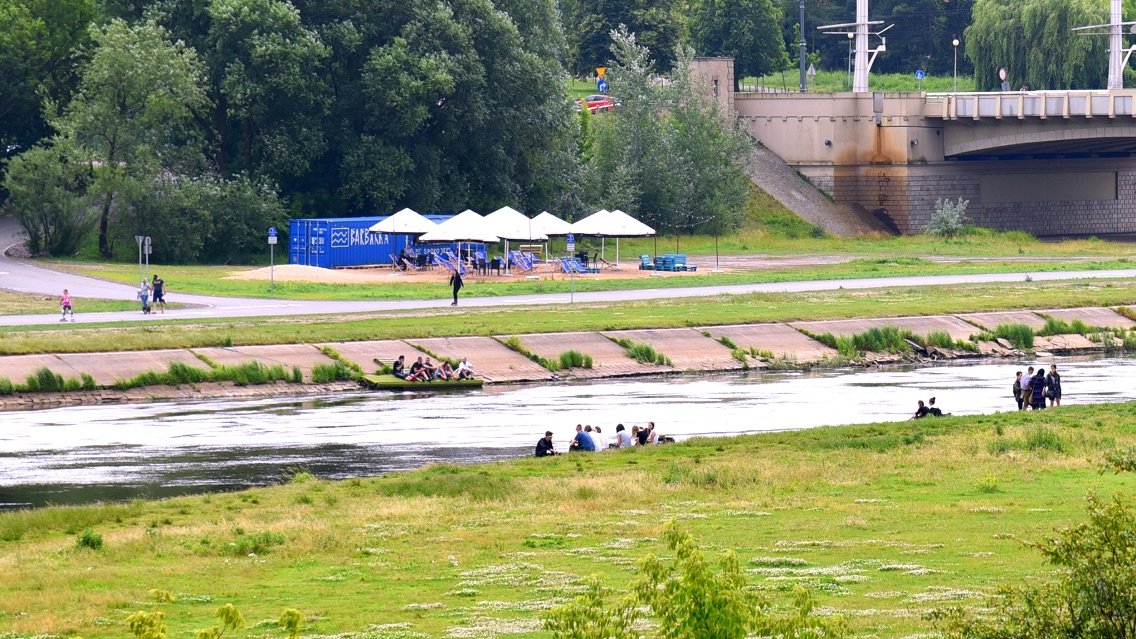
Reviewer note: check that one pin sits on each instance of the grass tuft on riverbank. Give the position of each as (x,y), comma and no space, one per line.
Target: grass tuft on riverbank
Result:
(883,522)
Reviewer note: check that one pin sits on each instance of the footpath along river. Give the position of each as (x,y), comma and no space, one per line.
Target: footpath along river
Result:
(77,455)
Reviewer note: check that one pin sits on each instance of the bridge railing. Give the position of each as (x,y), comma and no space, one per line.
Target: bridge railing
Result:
(1030,104)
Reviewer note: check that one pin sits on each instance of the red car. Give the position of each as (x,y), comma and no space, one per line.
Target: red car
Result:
(598,102)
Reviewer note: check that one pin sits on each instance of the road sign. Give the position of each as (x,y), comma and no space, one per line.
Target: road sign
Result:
(601,86)
(271,239)
(571,243)
(919,74)
(146,245)
(600,71)
(272,231)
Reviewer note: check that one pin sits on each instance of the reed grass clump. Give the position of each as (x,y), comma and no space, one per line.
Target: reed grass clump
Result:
(575,359)
(334,372)
(1055,326)
(643,353)
(1019,336)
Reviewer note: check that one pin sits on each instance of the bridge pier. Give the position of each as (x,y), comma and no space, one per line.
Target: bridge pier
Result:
(1066,167)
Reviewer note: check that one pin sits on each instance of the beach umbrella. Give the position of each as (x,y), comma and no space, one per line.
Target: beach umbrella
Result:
(508,223)
(466,226)
(405,221)
(604,224)
(550,225)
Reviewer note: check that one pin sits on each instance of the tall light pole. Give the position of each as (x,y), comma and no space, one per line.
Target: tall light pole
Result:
(955,42)
(803,79)
(851,37)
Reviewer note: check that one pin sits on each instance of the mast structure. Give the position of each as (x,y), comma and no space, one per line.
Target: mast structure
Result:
(859,29)
(1118,54)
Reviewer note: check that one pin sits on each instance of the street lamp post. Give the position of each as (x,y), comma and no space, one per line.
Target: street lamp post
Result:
(803,54)
(955,43)
(851,36)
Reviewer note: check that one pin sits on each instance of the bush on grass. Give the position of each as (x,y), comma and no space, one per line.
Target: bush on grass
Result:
(89,539)
(1019,336)
(44,381)
(575,359)
(334,372)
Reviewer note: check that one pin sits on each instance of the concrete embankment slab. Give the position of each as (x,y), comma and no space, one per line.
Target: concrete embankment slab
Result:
(491,360)
(1064,343)
(1093,316)
(288,355)
(385,350)
(688,348)
(17,367)
(953,326)
(107,368)
(608,358)
(991,321)
(780,339)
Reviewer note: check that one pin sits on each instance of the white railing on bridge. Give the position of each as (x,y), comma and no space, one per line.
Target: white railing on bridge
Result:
(1030,104)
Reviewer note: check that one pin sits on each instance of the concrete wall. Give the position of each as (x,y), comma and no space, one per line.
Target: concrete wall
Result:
(879,151)
(906,194)
(716,75)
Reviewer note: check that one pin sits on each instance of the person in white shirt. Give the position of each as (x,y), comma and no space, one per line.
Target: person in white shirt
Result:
(464,369)
(597,436)
(622,439)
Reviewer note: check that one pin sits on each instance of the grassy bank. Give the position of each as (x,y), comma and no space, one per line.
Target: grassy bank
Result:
(211,280)
(666,313)
(27,303)
(883,522)
(837,81)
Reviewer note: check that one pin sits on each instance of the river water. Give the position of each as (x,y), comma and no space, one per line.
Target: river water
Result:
(91,453)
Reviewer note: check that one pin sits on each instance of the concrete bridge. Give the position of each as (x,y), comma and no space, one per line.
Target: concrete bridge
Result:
(1047,162)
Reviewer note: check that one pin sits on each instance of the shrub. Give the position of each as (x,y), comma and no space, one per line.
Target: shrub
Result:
(256,544)
(44,381)
(88,381)
(643,353)
(887,339)
(324,373)
(1019,336)
(6,386)
(575,359)
(1055,326)
(178,373)
(940,339)
(1042,438)
(297,375)
(948,219)
(514,343)
(89,539)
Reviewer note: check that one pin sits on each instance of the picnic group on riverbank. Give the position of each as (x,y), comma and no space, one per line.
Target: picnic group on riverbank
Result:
(589,439)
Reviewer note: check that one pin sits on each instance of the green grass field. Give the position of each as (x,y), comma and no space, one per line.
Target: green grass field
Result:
(883,522)
(665,313)
(837,81)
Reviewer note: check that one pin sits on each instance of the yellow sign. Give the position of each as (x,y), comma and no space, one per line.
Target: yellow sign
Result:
(600,71)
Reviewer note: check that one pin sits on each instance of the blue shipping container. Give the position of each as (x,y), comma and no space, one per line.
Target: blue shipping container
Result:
(347,241)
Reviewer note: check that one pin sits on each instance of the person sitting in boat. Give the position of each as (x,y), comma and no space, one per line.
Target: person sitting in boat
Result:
(544,445)
(464,369)
(417,371)
(398,368)
(445,371)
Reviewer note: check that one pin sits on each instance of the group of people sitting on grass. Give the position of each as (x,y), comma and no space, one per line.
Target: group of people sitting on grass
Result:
(928,409)
(424,370)
(591,439)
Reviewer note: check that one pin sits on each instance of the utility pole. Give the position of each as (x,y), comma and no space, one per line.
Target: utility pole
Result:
(803,48)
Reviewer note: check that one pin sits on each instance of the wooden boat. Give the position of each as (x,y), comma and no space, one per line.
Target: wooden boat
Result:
(390,382)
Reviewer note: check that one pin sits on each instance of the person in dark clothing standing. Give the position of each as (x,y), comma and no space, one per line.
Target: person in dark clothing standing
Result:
(1018,390)
(158,286)
(544,445)
(1053,386)
(1037,390)
(456,282)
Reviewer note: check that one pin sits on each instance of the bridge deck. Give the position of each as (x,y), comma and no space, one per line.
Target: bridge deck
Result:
(1031,104)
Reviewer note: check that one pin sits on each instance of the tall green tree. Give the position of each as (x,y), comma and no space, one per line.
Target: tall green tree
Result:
(666,155)
(655,23)
(1033,41)
(133,115)
(41,49)
(48,188)
(749,31)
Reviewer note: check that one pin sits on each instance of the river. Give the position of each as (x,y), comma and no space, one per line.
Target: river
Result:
(77,455)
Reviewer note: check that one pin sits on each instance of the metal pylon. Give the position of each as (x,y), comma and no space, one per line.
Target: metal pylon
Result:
(1118,54)
(859,29)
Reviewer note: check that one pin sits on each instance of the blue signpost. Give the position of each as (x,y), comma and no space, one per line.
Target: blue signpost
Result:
(271,259)
(601,85)
(571,272)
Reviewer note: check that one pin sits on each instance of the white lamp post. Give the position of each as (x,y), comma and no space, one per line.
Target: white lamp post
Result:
(955,42)
(851,36)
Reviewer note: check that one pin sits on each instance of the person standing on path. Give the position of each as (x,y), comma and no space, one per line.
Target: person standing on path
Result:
(159,287)
(1053,386)
(65,306)
(144,296)
(456,282)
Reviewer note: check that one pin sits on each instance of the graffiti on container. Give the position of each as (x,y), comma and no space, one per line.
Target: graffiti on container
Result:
(344,237)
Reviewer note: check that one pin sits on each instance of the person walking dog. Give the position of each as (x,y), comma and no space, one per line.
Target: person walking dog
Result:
(456,282)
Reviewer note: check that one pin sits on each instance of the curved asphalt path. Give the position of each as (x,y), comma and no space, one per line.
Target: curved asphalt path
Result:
(23,276)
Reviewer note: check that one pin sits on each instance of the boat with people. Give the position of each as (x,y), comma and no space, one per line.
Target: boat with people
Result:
(390,382)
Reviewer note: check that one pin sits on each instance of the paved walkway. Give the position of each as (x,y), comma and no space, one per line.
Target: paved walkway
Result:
(22,276)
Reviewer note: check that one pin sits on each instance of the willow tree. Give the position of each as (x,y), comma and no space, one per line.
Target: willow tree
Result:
(1033,40)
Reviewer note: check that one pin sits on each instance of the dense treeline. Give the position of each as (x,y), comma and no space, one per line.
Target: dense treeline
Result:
(202,122)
